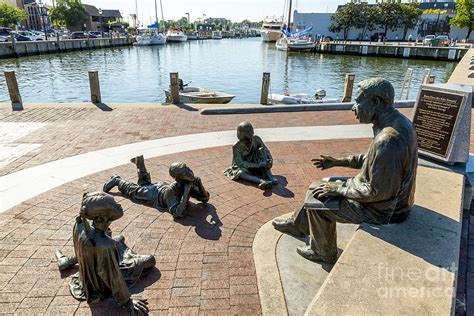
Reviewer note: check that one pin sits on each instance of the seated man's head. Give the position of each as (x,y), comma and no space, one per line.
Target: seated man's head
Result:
(100,208)
(374,96)
(180,171)
(245,131)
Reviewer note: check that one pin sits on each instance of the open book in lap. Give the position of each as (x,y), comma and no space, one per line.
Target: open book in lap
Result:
(325,203)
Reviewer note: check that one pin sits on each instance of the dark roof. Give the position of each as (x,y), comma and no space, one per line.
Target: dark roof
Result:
(93,11)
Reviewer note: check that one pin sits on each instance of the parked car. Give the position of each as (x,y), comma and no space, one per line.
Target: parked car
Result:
(78,35)
(95,34)
(4,38)
(32,36)
(428,39)
(5,31)
(443,40)
(19,37)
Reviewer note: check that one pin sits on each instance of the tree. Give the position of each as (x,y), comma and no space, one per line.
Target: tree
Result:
(364,18)
(387,15)
(345,18)
(464,16)
(10,16)
(409,16)
(68,13)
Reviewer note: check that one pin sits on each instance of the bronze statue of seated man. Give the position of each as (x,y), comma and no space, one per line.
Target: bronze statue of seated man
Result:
(106,264)
(251,159)
(172,197)
(382,192)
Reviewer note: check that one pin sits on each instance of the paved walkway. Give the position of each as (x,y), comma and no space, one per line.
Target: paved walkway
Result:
(204,262)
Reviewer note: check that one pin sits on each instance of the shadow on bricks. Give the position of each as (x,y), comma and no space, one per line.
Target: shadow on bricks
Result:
(197,216)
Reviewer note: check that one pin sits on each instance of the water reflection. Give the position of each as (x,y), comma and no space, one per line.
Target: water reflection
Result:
(235,66)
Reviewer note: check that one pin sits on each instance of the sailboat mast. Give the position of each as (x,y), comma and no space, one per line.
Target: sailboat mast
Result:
(162,16)
(156,12)
(289,15)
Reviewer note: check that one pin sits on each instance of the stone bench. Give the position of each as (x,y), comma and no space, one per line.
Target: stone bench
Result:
(407,268)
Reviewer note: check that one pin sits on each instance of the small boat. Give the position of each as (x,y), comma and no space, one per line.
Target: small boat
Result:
(217,35)
(199,95)
(150,36)
(148,40)
(299,41)
(301,98)
(192,36)
(176,36)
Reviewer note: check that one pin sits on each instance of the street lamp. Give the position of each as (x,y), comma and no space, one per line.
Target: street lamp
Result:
(42,14)
(101,27)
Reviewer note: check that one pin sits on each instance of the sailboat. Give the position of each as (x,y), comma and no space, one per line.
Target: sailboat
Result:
(299,41)
(150,35)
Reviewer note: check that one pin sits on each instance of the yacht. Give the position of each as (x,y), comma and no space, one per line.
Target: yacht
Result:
(271,29)
(217,35)
(176,36)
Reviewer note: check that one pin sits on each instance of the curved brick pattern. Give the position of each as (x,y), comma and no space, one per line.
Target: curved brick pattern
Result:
(204,262)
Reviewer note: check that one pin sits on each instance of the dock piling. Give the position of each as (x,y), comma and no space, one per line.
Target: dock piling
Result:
(407,80)
(265,88)
(174,87)
(426,76)
(13,90)
(348,86)
(95,86)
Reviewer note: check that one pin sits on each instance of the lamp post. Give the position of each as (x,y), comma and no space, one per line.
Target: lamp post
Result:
(101,27)
(41,6)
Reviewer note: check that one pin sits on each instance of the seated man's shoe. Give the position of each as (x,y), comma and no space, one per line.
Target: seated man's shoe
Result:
(310,254)
(264,185)
(287,226)
(112,182)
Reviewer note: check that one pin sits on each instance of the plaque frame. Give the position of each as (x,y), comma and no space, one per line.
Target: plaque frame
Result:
(459,142)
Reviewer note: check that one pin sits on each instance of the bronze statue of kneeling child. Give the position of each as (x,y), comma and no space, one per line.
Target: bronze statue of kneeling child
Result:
(172,197)
(251,159)
(106,264)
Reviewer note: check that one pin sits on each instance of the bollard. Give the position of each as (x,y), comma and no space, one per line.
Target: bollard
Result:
(174,87)
(348,85)
(13,90)
(426,76)
(58,42)
(265,88)
(407,79)
(95,86)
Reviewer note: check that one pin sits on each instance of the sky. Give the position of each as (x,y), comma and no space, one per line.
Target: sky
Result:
(235,10)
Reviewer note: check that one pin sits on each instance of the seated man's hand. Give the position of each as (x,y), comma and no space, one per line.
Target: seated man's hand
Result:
(326,190)
(324,162)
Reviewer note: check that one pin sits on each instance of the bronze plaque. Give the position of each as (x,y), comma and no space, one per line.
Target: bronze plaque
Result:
(435,120)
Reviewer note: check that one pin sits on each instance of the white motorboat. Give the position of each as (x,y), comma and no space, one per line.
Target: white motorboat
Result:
(217,35)
(200,95)
(176,36)
(301,98)
(304,43)
(271,29)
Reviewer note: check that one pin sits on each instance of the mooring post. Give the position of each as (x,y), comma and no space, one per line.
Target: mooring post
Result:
(348,85)
(13,90)
(265,88)
(95,86)
(426,76)
(407,80)
(174,87)
(432,79)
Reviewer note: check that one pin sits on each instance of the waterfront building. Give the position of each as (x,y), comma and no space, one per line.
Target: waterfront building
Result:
(96,20)
(38,17)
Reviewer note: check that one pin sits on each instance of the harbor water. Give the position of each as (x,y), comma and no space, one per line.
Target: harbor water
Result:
(234,66)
